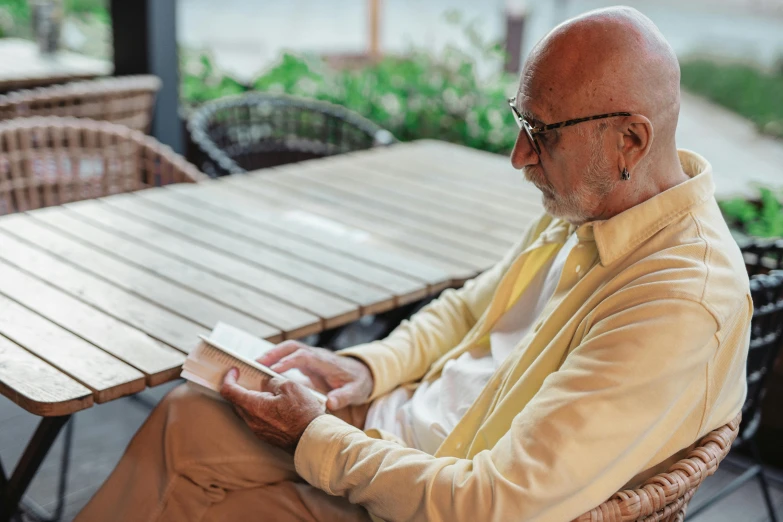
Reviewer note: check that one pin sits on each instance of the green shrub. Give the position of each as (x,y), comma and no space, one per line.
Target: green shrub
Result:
(761,218)
(19,13)
(419,95)
(743,89)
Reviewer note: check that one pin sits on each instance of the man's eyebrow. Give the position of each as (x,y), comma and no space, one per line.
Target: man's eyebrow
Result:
(532,118)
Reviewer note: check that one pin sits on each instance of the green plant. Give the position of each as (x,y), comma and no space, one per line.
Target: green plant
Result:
(420,95)
(15,15)
(761,218)
(96,8)
(748,91)
(18,12)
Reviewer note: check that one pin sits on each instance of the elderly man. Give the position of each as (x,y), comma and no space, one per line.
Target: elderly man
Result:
(600,349)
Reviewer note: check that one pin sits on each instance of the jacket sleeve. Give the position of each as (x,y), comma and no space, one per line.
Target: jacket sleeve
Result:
(636,381)
(406,354)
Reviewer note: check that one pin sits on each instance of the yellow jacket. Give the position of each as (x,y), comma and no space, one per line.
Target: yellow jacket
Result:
(640,352)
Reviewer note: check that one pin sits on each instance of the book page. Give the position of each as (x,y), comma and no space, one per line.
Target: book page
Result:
(245,344)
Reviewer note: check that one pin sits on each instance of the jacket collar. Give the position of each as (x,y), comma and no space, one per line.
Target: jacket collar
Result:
(620,234)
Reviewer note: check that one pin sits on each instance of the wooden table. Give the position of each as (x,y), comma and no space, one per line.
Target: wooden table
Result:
(22,66)
(101,298)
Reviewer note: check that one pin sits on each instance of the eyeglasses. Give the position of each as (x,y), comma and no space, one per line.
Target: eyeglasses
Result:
(532,131)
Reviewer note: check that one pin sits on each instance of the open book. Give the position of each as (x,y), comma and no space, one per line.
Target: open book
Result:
(229,347)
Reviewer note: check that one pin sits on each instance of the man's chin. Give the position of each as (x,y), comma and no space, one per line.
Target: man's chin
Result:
(553,209)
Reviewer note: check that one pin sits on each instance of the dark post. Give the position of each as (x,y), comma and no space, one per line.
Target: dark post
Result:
(145,42)
(515,31)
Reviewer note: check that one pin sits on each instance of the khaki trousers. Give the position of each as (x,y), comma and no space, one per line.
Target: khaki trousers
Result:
(195,460)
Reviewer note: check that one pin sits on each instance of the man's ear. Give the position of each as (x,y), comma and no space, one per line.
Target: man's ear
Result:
(636,139)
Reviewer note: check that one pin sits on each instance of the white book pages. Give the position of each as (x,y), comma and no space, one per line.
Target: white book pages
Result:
(229,347)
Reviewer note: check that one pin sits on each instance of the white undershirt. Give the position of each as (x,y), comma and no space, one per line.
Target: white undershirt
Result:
(425,419)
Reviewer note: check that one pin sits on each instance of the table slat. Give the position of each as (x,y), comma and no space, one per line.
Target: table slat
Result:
(494,208)
(160,324)
(475,191)
(292,321)
(403,220)
(372,299)
(332,310)
(495,169)
(348,241)
(177,300)
(356,185)
(496,180)
(334,208)
(405,289)
(107,377)
(157,361)
(36,385)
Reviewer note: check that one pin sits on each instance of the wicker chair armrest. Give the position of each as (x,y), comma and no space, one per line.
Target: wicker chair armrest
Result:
(666,494)
(173,168)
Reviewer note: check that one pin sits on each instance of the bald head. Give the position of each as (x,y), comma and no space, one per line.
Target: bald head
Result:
(601,63)
(608,60)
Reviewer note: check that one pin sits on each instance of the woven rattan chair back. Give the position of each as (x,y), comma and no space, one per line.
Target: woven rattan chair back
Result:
(50,161)
(125,100)
(665,497)
(259,130)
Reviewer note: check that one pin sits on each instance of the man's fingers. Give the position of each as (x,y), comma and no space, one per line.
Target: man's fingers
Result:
(341,397)
(273,385)
(232,391)
(278,352)
(301,360)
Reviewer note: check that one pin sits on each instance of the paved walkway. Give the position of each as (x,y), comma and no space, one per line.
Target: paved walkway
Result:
(740,156)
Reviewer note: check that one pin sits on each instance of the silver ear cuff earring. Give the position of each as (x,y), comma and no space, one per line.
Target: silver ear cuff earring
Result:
(625,175)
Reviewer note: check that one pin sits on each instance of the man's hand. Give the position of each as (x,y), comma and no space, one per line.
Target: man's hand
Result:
(345,380)
(278,414)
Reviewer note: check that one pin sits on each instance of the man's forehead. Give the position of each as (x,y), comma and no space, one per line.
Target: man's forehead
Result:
(539,87)
(527,106)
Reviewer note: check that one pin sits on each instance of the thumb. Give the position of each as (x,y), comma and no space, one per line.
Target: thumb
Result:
(341,397)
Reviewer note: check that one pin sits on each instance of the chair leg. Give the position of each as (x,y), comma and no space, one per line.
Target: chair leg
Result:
(763,481)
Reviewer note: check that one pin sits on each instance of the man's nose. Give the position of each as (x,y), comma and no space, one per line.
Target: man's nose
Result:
(523,154)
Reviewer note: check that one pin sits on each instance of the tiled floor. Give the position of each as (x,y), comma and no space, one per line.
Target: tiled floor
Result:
(101,434)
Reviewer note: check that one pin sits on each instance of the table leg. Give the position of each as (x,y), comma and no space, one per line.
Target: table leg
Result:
(14,488)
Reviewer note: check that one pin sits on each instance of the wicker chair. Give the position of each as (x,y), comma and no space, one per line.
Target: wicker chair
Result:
(126,100)
(259,130)
(665,497)
(49,161)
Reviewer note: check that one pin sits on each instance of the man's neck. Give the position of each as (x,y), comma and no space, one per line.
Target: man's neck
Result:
(658,177)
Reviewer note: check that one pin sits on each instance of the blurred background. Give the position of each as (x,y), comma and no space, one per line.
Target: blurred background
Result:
(439,69)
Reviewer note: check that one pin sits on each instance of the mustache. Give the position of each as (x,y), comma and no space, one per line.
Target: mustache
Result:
(537,178)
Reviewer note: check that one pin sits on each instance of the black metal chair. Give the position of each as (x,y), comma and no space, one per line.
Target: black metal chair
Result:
(766,287)
(762,255)
(259,130)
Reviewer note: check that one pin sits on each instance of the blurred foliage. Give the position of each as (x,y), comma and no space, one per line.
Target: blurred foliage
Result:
(419,95)
(96,8)
(14,17)
(760,218)
(15,14)
(743,89)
